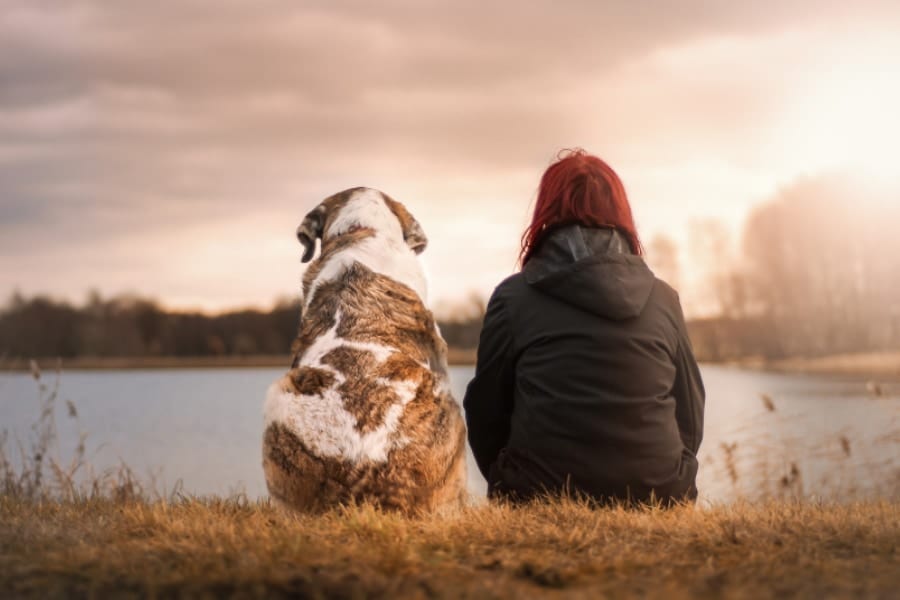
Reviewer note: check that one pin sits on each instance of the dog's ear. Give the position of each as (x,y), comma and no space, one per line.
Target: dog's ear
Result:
(310,230)
(413,234)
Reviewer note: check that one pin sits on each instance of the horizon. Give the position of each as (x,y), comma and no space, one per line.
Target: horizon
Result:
(178,170)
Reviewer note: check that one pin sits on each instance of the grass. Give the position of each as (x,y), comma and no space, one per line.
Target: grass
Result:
(68,532)
(228,548)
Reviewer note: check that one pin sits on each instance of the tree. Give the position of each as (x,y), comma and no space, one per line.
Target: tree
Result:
(713,251)
(662,255)
(822,259)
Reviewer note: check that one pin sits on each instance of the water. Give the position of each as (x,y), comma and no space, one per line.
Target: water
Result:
(203,428)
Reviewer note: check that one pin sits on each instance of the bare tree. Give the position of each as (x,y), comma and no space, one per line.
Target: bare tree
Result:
(713,251)
(822,260)
(663,257)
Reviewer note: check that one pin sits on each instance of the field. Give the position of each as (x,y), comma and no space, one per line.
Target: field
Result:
(224,548)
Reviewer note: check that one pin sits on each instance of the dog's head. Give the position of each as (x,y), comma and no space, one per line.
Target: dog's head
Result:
(359,208)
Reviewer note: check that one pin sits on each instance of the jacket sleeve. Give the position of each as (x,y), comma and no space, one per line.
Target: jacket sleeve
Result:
(489,397)
(688,390)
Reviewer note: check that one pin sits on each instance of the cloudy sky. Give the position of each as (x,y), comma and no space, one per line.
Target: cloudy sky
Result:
(170,149)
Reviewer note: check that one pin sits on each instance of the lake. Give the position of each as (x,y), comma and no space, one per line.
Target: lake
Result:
(820,436)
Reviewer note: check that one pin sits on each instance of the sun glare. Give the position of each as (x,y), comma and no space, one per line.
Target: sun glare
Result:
(848,119)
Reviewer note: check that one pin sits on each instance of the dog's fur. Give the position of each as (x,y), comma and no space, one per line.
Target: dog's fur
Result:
(365,413)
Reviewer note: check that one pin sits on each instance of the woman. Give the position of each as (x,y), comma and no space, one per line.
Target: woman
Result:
(586,382)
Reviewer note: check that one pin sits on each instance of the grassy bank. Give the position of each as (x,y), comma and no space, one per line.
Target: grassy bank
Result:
(108,538)
(220,548)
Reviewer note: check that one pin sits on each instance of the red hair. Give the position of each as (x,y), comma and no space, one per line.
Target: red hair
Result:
(579,188)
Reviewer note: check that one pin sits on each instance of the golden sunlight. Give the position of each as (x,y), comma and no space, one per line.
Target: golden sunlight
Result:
(848,117)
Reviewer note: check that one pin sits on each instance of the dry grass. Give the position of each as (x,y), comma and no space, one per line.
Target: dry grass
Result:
(220,548)
(40,473)
(108,536)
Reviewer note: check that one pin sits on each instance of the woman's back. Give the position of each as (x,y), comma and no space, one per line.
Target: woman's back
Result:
(592,340)
(586,380)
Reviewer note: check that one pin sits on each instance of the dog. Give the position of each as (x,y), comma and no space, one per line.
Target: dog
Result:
(365,413)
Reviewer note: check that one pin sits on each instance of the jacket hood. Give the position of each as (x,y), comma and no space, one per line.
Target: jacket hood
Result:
(592,268)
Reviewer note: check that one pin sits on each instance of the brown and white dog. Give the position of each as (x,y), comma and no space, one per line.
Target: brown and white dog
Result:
(365,413)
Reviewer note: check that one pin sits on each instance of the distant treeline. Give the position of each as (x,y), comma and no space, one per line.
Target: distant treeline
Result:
(817,272)
(137,327)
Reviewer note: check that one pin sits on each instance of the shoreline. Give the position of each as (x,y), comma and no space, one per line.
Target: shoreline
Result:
(872,364)
(863,364)
(457,358)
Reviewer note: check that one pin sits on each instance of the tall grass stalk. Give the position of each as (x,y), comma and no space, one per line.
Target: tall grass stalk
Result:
(40,473)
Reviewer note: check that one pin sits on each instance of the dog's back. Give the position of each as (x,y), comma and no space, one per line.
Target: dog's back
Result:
(366,413)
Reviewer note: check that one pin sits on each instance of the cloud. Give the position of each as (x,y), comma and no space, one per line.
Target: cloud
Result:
(129,126)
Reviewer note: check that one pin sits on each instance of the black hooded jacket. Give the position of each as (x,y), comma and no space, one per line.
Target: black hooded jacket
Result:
(586,381)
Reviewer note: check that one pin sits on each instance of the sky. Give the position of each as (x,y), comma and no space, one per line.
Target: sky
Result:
(170,149)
